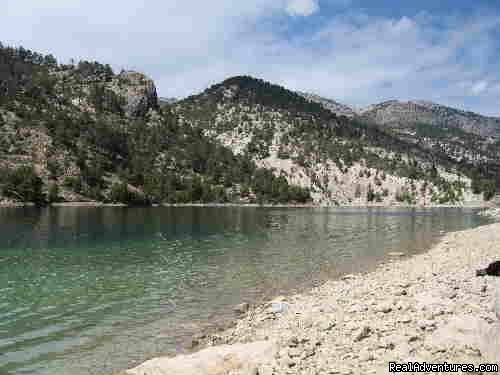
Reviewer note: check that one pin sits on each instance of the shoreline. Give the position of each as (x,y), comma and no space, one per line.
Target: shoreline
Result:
(248,205)
(427,307)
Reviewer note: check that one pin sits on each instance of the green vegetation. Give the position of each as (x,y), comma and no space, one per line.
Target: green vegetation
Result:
(156,155)
(435,131)
(321,135)
(22,184)
(53,193)
(485,186)
(170,155)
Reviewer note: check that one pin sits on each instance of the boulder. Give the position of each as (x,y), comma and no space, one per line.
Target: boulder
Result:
(225,359)
(469,332)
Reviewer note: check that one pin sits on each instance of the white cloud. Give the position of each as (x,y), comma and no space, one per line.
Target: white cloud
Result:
(302,7)
(352,57)
(479,87)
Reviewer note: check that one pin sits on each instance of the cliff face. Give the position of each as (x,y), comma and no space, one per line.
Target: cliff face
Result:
(138,92)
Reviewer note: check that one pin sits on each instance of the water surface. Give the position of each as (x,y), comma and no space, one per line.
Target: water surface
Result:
(94,290)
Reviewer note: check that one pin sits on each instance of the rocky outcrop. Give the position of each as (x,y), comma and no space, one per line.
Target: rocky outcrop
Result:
(138,92)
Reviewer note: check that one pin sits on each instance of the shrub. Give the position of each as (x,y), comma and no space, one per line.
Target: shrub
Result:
(24,184)
(73,183)
(53,193)
(120,193)
(370,194)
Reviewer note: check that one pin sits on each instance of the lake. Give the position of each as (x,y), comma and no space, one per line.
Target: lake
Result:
(94,290)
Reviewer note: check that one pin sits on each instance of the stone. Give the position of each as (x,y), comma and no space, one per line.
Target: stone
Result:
(287,362)
(292,342)
(426,324)
(404,319)
(242,308)
(279,307)
(365,355)
(327,326)
(294,352)
(348,277)
(385,308)
(363,333)
(309,352)
(193,344)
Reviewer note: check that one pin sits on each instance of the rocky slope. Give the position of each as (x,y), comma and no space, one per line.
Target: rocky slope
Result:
(397,113)
(83,133)
(341,160)
(462,136)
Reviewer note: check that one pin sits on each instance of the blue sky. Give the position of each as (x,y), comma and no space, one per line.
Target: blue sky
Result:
(355,51)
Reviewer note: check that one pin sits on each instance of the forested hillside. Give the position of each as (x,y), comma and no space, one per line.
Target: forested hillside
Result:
(81,132)
(342,160)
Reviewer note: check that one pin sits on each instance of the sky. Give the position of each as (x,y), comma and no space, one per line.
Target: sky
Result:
(358,52)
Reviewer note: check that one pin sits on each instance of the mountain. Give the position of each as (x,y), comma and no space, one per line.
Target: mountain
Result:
(396,113)
(83,133)
(339,159)
(462,136)
(338,108)
(167,101)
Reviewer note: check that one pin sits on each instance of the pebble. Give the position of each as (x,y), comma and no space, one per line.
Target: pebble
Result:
(363,333)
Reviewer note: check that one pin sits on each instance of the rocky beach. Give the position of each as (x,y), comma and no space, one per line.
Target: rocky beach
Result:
(427,308)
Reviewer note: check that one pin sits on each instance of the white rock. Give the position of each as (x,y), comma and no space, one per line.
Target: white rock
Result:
(220,359)
(241,308)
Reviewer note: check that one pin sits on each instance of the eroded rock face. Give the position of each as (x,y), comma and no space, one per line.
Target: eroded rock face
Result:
(138,92)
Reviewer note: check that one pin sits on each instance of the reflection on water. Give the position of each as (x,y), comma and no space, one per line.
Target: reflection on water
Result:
(90,290)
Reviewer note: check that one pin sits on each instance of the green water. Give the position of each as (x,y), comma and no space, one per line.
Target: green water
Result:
(95,290)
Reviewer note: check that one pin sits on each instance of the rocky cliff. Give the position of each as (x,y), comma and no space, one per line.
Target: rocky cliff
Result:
(138,92)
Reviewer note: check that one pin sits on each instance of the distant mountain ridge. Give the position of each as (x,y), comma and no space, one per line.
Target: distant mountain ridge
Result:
(167,101)
(330,104)
(397,113)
